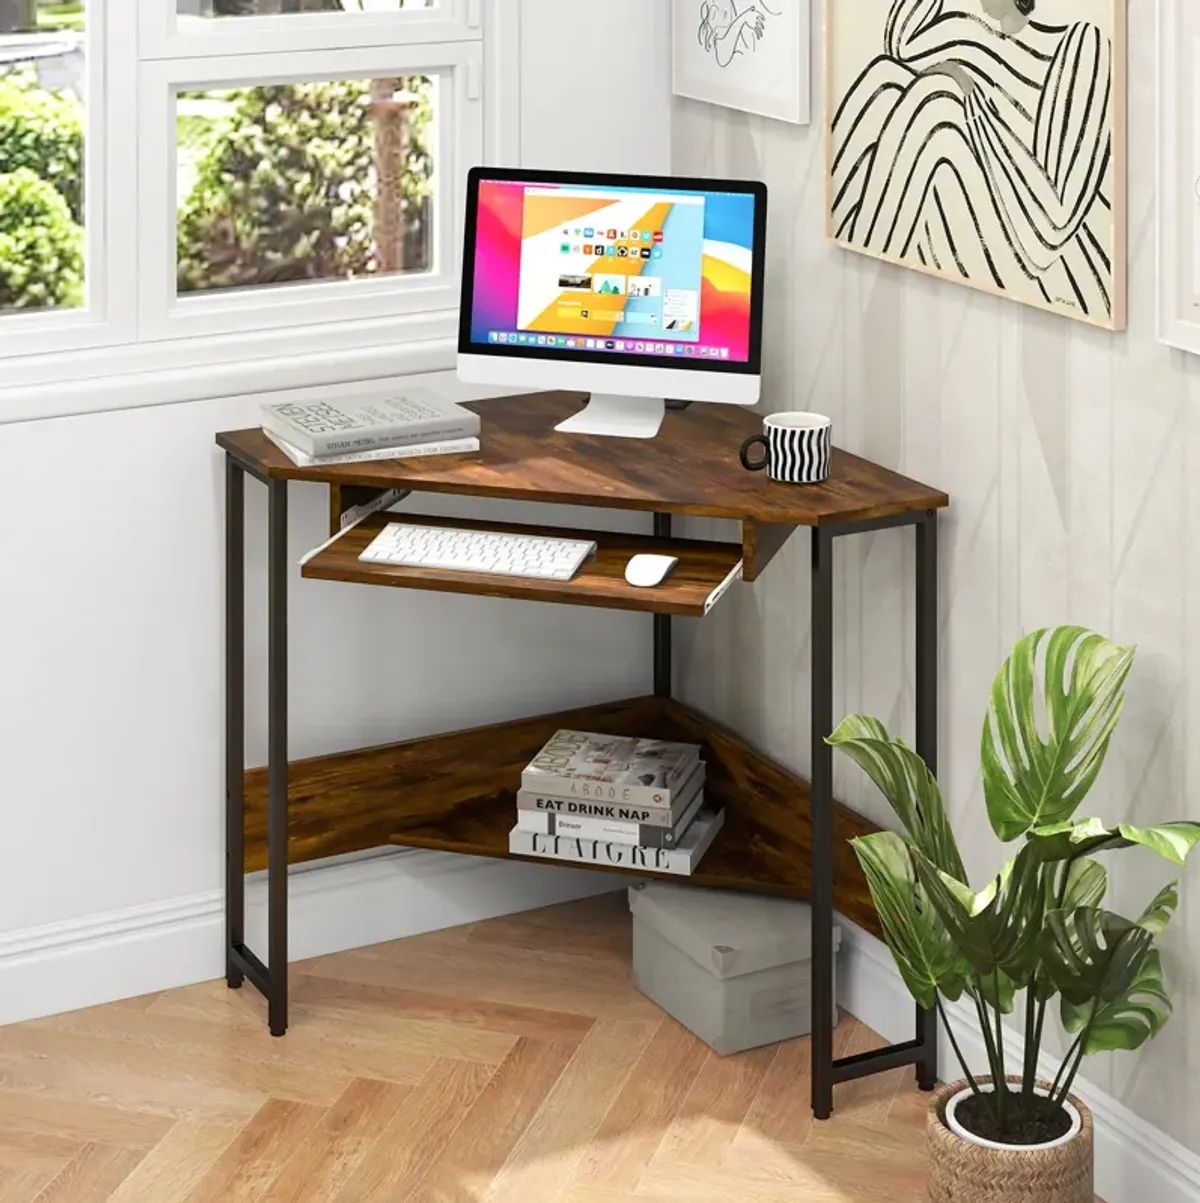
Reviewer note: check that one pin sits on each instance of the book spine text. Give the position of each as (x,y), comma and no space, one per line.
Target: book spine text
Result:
(598,852)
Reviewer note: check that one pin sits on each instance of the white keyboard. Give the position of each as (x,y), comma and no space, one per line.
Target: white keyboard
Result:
(444,547)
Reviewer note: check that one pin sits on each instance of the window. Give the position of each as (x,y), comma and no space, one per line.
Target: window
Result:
(43,99)
(174,172)
(312,180)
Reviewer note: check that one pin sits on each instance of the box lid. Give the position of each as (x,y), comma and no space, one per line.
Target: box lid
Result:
(725,933)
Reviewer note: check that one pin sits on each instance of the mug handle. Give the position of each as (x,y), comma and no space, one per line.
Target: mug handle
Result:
(744,453)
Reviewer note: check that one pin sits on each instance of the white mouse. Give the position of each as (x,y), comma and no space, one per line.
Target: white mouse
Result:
(647,571)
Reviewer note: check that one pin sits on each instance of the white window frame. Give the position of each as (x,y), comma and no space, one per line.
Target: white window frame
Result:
(164,36)
(458,127)
(123,351)
(107,315)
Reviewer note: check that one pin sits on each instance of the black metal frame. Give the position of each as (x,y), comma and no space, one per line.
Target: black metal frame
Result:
(240,963)
(921,1051)
(271,979)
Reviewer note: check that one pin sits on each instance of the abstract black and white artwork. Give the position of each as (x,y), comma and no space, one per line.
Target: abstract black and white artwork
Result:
(982,141)
(745,54)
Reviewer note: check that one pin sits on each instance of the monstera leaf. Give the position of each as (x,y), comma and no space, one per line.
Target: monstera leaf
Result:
(1160,911)
(1085,885)
(999,927)
(1129,1017)
(1092,955)
(996,990)
(1128,1021)
(923,951)
(1031,780)
(906,782)
(1082,837)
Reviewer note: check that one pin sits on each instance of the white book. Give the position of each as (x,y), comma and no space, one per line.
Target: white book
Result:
(617,831)
(325,428)
(617,769)
(681,861)
(646,816)
(301,460)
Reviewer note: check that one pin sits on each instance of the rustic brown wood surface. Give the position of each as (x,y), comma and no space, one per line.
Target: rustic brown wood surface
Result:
(456,793)
(761,543)
(692,467)
(346,497)
(702,567)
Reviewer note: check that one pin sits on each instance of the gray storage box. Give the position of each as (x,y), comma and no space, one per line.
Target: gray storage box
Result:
(735,969)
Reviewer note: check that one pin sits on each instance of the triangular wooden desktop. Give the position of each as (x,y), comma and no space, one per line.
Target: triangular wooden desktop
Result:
(455,792)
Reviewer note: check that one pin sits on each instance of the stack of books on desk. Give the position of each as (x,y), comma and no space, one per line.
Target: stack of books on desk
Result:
(614,800)
(360,431)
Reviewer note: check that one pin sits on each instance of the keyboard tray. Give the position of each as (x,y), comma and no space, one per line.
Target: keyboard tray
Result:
(703,573)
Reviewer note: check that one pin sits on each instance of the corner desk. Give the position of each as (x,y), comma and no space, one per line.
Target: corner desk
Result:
(455,792)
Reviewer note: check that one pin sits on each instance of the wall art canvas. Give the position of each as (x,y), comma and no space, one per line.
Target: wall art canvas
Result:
(983,141)
(752,55)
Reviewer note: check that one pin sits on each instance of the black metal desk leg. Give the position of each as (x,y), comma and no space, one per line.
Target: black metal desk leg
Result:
(662,626)
(235,717)
(277,757)
(927,732)
(822,824)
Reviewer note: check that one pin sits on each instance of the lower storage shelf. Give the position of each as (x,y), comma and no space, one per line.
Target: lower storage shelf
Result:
(456,793)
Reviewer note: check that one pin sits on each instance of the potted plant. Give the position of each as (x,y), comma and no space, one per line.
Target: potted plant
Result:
(1038,928)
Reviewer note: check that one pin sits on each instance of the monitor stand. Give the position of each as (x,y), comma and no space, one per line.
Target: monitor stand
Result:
(617,417)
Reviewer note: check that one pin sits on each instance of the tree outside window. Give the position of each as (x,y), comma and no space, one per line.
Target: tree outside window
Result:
(41,155)
(281,183)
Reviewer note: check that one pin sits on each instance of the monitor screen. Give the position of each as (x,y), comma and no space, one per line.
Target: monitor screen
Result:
(596,266)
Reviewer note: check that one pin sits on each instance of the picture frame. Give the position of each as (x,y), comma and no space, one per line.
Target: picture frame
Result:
(750,55)
(1178,176)
(1015,195)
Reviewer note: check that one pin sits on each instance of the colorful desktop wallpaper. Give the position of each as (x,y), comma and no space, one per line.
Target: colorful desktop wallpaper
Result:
(614,263)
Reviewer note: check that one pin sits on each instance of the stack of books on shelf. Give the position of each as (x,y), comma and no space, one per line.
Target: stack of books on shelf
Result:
(355,431)
(615,800)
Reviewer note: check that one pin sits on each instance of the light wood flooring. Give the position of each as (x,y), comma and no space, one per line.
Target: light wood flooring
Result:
(502,1062)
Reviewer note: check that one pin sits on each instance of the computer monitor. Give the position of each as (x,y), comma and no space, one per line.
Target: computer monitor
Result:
(631,288)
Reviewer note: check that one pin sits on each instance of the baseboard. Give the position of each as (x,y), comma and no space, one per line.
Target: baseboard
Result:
(334,906)
(1135,1161)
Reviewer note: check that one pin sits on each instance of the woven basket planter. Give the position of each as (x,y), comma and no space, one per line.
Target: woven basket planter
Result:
(961,1172)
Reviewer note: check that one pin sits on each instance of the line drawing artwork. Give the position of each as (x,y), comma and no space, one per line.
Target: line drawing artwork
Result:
(977,142)
(730,28)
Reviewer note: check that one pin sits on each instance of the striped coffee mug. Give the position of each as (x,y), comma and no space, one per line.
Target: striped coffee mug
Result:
(798,448)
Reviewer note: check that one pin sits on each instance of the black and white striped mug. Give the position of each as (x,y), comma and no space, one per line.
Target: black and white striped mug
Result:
(798,448)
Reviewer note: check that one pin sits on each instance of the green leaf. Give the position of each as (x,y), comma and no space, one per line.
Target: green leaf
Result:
(1060,841)
(999,927)
(1086,884)
(988,995)
(1128,1021)
(924,954)
(906,782)
(1158,914)
(1092,954)
(1031,780)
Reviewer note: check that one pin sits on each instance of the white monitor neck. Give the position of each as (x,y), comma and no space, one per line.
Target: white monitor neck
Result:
(617,417)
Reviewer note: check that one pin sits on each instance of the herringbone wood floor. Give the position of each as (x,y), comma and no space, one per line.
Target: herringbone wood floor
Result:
(508,1062)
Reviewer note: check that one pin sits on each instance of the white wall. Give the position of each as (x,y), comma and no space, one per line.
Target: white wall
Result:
(596,85)
(111,664)
(1070,456)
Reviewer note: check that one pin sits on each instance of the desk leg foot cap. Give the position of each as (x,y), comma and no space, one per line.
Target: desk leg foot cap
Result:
(234,979)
